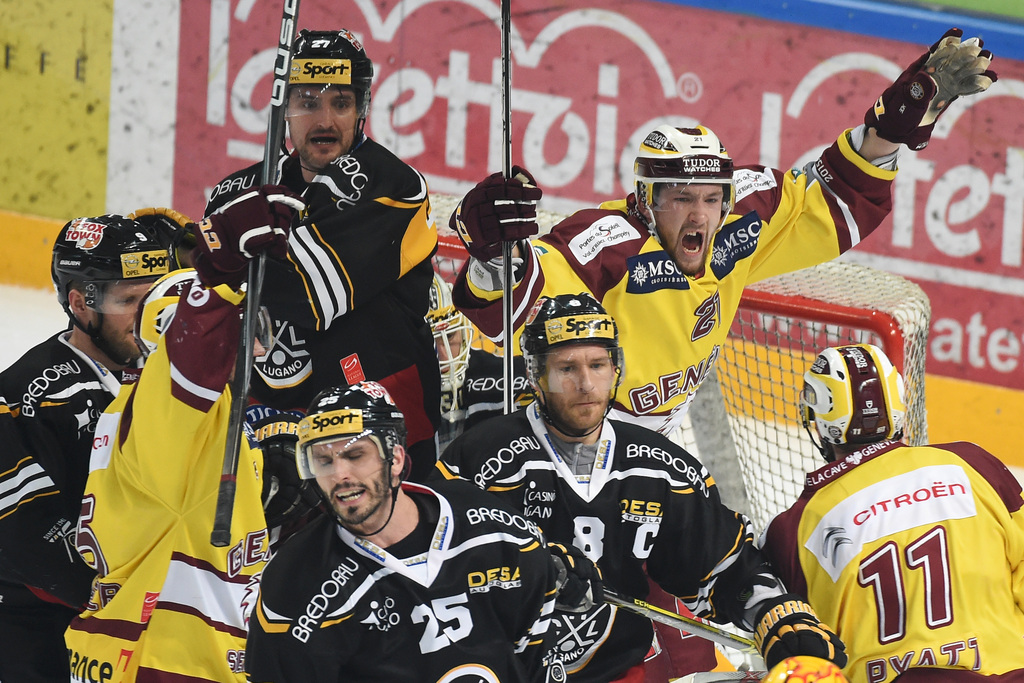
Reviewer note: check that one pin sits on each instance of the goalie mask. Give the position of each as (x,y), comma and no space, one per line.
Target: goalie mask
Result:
(453,335)
(322,59)
(853,395)
(565,323)
(672,157)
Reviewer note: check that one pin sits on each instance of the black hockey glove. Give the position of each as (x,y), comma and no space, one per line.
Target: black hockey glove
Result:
(496,211)
(580,585)
(173,229)
(255,222)
(907,110)
(788,627)
(285,495)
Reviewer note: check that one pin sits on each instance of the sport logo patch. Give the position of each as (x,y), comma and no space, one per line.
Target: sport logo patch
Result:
(84,233)
(321,71)
(145,263)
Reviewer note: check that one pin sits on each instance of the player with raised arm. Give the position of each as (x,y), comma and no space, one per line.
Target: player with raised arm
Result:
(914,553)
(50,400)
(628,498)
(697,230)
(166,604)
(349,301)
(400,581)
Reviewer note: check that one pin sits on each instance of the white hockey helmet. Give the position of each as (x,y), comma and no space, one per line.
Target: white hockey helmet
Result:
(854,395)
(681,156)
(453,334)
(157,308)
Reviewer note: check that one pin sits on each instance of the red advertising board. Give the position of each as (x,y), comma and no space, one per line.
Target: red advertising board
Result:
(589,80)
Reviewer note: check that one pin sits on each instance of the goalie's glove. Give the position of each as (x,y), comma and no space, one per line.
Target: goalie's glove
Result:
(173,229)
(255,222)
(907,110)
(496,211)
(788,627)
(285,496)
(579,582)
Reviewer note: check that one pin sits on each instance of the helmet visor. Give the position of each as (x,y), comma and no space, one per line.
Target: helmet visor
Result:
(578,368)
(319,100)
(117,297)
(361,454)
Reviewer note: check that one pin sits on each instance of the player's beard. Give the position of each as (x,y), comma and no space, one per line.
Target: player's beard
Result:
(120,346)
(379,498)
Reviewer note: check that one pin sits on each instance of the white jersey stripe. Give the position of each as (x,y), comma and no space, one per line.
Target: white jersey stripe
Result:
(204,591)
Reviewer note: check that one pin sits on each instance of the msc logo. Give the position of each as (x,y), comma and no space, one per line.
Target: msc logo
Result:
(496,577)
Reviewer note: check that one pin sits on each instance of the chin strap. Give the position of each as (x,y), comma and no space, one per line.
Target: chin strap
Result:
(391,513)
(824,448)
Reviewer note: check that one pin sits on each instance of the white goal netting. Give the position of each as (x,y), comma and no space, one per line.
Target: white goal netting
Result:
(745,424)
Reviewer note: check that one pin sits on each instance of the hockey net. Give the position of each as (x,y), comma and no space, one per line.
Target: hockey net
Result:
(745,422)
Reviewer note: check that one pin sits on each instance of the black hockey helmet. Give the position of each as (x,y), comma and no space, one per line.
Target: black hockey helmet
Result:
(567,319)
(92,252)
(333,58)
(350,413)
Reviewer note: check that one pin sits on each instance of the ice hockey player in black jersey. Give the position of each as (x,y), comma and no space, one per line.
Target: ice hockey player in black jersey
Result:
(627,497)
(50,400)
(472,386)
(401,582)
(348,303)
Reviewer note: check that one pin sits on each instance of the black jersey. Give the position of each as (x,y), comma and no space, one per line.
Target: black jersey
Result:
(482,394)
(50,400)
(646,501)
(349,302)
(473,608)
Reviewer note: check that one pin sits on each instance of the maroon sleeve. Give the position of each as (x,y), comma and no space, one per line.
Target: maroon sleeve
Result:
(202,344)
(991,468)
(782,544)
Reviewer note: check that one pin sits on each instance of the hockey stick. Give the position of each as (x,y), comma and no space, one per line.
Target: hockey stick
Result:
(508,369)
(694,626)
(221,534)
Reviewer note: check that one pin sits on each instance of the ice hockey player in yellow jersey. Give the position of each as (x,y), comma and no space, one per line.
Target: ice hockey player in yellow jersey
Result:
(167,605)
(670,262)
(914,553)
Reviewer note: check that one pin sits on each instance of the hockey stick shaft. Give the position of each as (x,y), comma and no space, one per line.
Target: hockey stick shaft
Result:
(508,369)
(221,534)
(694,626)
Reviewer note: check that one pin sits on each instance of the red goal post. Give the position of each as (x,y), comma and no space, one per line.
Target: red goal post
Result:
(744,423)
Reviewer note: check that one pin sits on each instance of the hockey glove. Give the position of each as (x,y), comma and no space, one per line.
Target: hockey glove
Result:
(173,229)
(496,211)
(285,495)
(788,627)
(255,222)
(579,580)
(907,110)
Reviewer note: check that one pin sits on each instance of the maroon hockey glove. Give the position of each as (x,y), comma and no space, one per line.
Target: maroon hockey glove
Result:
(255,222)
(496,211)
(579,580)
(788,627)
(907,110)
